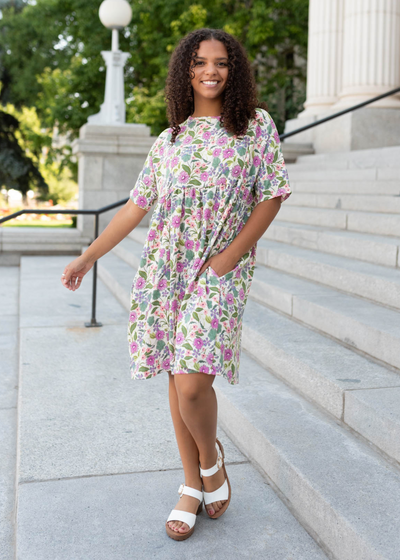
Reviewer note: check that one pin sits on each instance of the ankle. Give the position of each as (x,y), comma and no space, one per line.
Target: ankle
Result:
(194,482)
(206,462)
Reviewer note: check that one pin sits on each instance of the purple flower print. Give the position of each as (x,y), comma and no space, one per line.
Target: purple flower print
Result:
(258,131)
(162,283)
(160,226)
(180,338)
(204,369)
(197,262)
(142,201)
(174,304)
(221,181)
(210,358)
(169,204)
(176,221)
(216,152)
(207,214)
(271,176)
(140,282)
(134,347)
(214,323)
(269,158)
(174,161)
(198,343)
(162,251)
(187,140)
(151,234)
(182,129)
(204,176)
(189,244)
(206,135)
(193,193)
(159,335)
(256,161)
(197,247)
(150,360)
(236,171)
(231,322)
(147,180)
(230,299)
(222,140)
(183,176)
(228,153)
(132,316)
(161,151)
(228,354)
(229,374)
(241,294)
(180,266)
(166,363)
(216,206)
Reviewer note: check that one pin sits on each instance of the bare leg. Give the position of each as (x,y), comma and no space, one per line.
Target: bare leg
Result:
(198,409)
(189,455)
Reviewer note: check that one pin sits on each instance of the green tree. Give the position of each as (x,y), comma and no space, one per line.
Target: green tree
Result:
(50,54)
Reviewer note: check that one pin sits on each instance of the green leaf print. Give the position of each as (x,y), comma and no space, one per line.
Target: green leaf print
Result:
(194,182)
(187,346)
(241,151)
(143,274)
(160,345)
(186,168)
(143,368)
(132,327)
(152,335)
(189,255)
(156,294)
(208,319)
(212,334)
(184,330)
(183,363)
(276,156)
(150,320)
(195,315)
(186,157)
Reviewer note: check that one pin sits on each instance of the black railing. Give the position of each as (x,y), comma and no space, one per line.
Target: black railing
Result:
(93,322)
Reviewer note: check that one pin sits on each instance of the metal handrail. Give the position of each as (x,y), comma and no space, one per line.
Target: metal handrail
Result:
(93,322)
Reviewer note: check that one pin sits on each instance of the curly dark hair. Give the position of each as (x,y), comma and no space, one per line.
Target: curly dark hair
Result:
(240,94)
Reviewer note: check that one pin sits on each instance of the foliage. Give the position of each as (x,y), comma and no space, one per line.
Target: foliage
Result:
(50,55)
(17,169)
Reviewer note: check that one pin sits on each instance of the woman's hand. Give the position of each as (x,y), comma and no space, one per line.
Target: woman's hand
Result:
(221,263)
(75,271)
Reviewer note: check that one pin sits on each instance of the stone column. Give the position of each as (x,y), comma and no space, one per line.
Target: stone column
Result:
(324,57)
(110,158)
(325,31)
(371,47)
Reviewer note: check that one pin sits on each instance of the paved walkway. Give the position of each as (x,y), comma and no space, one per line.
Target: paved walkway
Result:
(98,464)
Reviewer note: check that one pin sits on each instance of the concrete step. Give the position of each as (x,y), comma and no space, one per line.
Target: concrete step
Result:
(386,187)
(310,362)
(360,324)
(362,202)
(376,249)
(15,242)
(345,493)
(379,158)
(377,283)
(373,223)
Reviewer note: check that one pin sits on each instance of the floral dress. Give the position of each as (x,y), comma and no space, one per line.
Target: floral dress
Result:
(206,185)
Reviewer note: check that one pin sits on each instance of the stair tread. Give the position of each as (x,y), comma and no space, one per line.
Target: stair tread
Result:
(339,474)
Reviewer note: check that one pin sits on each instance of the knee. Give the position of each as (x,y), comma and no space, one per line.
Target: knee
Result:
(191,391)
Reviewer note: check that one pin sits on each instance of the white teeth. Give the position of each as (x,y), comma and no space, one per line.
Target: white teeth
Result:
(210,83)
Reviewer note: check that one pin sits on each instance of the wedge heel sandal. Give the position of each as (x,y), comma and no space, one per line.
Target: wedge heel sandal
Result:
(184,516)
(223,492)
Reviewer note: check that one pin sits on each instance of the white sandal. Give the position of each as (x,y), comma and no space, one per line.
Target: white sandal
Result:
(185,516)
(223,492)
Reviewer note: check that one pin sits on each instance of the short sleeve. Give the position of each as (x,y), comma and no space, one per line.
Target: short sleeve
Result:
(145,191)
(272,178)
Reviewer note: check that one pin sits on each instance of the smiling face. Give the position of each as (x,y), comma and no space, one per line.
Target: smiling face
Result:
(210,71)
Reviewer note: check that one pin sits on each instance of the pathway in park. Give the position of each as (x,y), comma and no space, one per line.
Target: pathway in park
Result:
(93,453)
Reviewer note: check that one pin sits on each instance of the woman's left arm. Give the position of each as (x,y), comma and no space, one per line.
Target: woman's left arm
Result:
(258,222)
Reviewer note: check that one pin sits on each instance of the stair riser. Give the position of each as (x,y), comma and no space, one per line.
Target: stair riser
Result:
(344,187)
(313,511)
(376,289)
(360,203)
(379,225)
(369,251)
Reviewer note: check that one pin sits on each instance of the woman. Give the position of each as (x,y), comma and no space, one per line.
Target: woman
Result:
(219,177)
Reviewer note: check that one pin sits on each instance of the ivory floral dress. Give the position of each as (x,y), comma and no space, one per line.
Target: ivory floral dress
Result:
(206,185)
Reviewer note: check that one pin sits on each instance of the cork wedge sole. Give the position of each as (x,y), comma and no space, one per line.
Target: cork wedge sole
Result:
(184,516)
(182,536)
(228,499)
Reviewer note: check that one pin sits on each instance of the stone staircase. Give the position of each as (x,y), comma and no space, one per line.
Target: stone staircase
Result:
(317,409)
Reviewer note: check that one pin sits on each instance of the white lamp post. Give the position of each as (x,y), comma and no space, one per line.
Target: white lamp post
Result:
(115,15)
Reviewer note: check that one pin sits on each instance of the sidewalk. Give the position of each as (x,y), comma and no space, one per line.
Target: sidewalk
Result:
(99,468)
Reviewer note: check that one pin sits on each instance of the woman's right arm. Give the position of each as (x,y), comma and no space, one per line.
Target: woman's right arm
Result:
(124,221)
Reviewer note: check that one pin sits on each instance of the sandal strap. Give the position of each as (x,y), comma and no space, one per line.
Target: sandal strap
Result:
(220,494)
(189,491)
(210,471)
(185,516)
